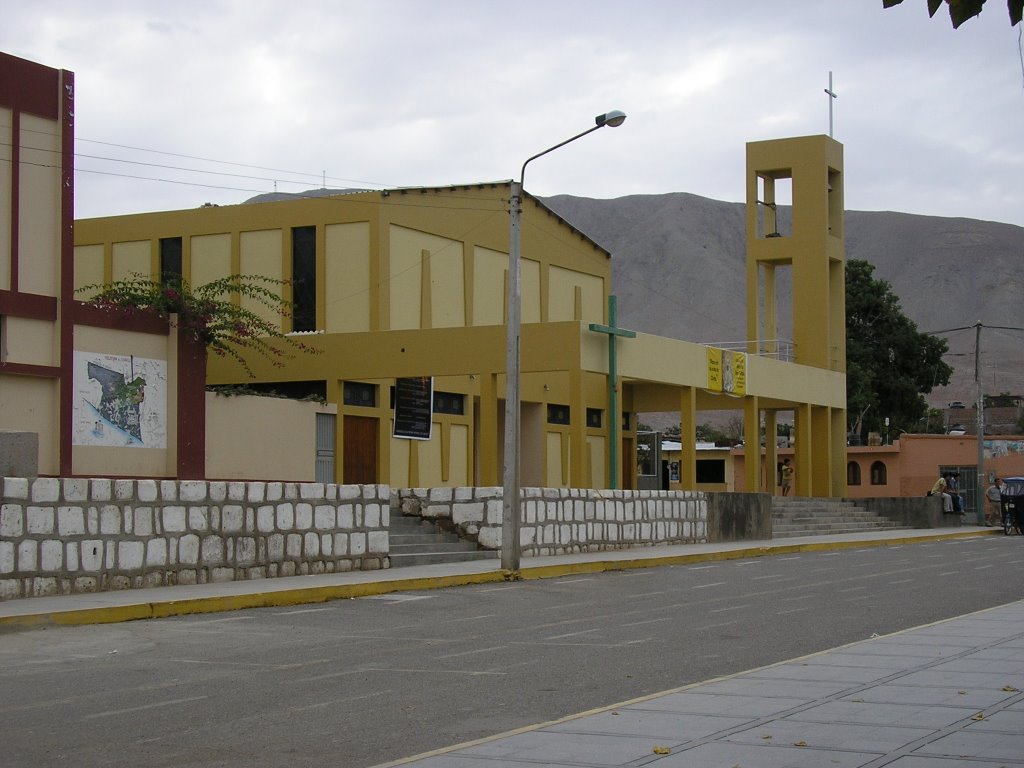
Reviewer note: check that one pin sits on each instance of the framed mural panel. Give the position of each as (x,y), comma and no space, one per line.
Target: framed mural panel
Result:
(120,400)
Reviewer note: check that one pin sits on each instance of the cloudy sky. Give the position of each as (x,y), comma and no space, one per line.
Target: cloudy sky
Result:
(181,103)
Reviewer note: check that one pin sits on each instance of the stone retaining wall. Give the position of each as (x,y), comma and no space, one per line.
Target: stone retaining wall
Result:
(559,521)
(61,536)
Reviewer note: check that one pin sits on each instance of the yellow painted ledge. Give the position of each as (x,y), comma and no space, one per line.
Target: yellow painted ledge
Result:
(285,597)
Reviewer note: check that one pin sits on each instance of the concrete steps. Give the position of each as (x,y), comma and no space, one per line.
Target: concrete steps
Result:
(415,541)
(793,517)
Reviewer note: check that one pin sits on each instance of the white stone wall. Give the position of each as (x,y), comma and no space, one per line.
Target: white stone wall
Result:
(557,521)
(61,536)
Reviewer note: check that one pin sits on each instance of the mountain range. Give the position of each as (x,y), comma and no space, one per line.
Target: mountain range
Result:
(678,269)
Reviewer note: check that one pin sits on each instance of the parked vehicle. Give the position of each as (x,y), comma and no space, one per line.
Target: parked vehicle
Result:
(1013,505)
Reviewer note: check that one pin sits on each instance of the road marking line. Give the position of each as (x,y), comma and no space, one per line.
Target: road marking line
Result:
(713,584)
(321,704)
(171,702)
(648,621)
(470,653)
(302,610)
(572,634)
(795,610)
(472,672)
(731,608)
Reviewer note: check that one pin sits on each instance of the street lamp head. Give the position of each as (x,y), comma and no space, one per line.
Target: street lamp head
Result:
(612,119)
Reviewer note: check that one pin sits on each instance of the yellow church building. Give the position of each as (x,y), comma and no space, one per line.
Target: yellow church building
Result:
(408,285)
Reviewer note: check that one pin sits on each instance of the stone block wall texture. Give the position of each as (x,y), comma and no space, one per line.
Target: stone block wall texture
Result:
(69,535)
(557,521)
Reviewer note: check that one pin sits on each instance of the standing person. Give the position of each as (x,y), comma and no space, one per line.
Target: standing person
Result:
(940,489)
(787,477)
(994,508)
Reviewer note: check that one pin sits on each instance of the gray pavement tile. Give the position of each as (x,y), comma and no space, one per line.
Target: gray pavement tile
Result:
(844,736)
(884,713)
(899,693)
(698,701)
(1007,720)
(938,678)
(671,727)
(906,646)
(997,653)
(973,663)
(785,689)
(915,761)
(573,748)
(453,760)
(966,629)
(979,745)
(720,754)
(850,657)
(821,669)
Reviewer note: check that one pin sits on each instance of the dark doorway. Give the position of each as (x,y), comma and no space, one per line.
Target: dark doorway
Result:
(360,459)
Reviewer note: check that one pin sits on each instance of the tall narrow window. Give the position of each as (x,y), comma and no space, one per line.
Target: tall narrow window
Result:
(852,473)
(170,259)
(304,279)
(879,475)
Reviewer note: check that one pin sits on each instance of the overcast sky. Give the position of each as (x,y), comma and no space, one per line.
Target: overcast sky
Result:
(387,93)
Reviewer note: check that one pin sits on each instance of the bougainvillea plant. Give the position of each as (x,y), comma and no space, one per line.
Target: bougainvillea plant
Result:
(211,313)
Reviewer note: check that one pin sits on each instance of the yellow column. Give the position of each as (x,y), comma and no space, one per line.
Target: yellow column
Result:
(577,431)
(752,444)
(838,416)
(821,438)
(488,471)
(688,438)
(771,451)
(803,453)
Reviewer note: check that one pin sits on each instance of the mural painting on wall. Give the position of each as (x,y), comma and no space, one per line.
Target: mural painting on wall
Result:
(120,400)
(997,448)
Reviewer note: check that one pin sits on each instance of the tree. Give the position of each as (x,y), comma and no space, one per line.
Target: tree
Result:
(889,363)
(962,10)
(210,314)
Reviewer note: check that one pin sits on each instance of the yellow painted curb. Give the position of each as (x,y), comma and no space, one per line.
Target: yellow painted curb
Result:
(321,594)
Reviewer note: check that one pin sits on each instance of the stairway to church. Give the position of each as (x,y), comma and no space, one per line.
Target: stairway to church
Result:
(415,541)
(821,517)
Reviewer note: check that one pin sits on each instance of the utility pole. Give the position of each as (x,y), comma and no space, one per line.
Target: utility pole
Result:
(979,496)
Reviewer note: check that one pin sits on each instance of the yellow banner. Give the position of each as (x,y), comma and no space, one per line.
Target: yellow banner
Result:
(727,371)
(714,369)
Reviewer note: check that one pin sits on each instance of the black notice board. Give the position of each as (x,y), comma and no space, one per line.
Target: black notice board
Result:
(414,407)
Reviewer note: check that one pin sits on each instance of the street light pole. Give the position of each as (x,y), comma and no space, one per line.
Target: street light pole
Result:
(511,547)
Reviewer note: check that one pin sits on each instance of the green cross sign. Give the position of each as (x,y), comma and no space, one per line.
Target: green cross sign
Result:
(612,330)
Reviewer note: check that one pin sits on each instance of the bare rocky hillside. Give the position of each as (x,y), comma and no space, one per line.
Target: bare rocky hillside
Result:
(678,270)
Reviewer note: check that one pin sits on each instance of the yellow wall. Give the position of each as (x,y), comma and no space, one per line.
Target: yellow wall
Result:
(347,277)
(260,253)
(489,287)
(211,258)
(39,208)
(564,285)
(88,269)
(6,180)
(30,404)
(34,342)
(261,438)
(129,259)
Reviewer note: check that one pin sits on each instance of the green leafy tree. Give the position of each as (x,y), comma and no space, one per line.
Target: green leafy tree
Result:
(962,10)
(890,365)
(210,313)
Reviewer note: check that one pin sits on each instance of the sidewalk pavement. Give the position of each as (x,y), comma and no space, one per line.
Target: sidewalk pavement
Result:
(160,602)
(947,695)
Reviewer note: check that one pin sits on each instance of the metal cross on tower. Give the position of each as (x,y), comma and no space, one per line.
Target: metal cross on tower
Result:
(832,96)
